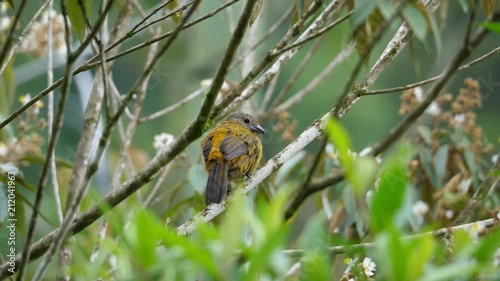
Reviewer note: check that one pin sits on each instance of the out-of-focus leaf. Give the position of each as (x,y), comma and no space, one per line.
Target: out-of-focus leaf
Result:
(192,252)
(461,240)
(416,21)
(7,86)
(386,8)
(266,246)
(363,173)
(436,32)
(260,259)
(421,251)
(392,256)
(440,161)
(402,259)
(493,26)
(256,11)
(364,31)
(60,162)
(178,16)
(390,194)
(3,201)
(231,230)
(489,7)
(287,167)
(471,163)
(300,7)
(461,269)
(316,265)
(364,8)
(465,5)
(339,136)
(487,247)
(142,236)
(425,133)
(197,177)
(76,16)
(426,161)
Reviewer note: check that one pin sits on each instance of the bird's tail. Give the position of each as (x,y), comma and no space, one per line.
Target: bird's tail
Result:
(217,183)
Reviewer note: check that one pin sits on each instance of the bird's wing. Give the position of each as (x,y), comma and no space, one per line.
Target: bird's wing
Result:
(206,147)
(232,147)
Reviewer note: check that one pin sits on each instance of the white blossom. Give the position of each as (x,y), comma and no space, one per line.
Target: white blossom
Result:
(162,141)
(449,214)
(433,109)
(459,118)
(420,208)
(419,94)
(494,158)
(3,150)
(369,267)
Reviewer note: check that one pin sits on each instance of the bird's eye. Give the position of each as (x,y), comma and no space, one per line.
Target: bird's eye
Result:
(246,120)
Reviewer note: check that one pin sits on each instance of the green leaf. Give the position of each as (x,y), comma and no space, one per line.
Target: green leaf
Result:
(440,161)
(363,9)
(77,17)
(471,163)
(492,26)
(487,247)
(316,265)
(189,250)
(425,133)
(386,8)
(340,138)
(421,251)
(142,235)
(459,269)
(3,201)
(363,173)
(391,190)
(426,160)
(231,230)
(465,5)
(436,32)
(416,21)
(7,86)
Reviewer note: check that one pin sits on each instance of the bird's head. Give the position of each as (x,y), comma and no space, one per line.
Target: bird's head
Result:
(246,120)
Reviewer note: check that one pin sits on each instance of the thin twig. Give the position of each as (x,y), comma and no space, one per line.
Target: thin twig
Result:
(6,57)
(177,11)
(295,76)
(241,92)
(173,107)
(89,64)
(268,33)
(50,151)
(430,80)
(50,112)
(315,35)
(440,233)
(157,185)
(296,98)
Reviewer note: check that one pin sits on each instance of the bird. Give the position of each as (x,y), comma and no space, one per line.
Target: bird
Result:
(231,150)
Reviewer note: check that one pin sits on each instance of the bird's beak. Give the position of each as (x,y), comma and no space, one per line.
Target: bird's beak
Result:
(257,129)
